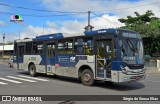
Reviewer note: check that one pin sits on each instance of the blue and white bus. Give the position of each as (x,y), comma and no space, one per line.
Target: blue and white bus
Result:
(111,55)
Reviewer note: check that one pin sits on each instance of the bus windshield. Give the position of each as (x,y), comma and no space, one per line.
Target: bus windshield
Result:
(132,51)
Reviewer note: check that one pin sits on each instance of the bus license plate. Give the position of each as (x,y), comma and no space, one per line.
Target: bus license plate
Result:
(138,78)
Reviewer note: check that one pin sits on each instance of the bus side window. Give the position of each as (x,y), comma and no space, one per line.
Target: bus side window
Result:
(79,46)
(37,47)
(34,48)
(65,46)
(84,45)
(88,46)
(49,48)
(109,48)
(100,50)
(28,48)
(114,49)
(53,50)
(21,50)
(40,47)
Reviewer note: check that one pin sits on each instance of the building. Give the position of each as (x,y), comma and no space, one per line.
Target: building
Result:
(8,50)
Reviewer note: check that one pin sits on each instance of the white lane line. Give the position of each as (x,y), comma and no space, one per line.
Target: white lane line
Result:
(21,79)
(9,80)
(33,78)
(2,83)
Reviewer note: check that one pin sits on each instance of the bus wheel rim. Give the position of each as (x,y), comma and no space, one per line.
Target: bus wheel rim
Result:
(32,70)
(87,77)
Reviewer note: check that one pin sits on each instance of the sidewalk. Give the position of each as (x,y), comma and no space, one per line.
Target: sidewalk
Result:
(4,61)
(152,70)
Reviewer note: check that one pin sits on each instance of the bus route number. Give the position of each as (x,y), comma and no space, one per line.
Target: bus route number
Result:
(32,59)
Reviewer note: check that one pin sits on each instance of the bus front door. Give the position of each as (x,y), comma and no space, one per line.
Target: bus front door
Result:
(50,58)
(20,56)
(103,58)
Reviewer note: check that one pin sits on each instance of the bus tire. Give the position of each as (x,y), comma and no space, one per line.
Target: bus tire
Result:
(87,78)
(32,70)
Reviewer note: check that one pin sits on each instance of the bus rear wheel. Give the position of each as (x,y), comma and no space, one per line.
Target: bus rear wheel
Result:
(87,77)
(32,70)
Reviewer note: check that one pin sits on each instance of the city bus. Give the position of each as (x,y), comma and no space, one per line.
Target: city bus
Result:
(109,55)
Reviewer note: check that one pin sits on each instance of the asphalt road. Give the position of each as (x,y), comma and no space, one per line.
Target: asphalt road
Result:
(48,85)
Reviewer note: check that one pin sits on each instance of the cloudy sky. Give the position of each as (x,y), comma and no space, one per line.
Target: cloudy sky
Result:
(66,16)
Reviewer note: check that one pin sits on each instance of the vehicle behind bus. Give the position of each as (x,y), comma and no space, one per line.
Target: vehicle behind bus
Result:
(111,55)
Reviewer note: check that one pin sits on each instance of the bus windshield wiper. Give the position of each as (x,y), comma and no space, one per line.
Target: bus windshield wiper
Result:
(131,45)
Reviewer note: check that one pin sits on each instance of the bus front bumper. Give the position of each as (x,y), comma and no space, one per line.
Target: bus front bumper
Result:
(132,75)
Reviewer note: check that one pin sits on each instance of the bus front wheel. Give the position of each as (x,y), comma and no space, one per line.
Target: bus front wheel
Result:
(32,70)
(87,77)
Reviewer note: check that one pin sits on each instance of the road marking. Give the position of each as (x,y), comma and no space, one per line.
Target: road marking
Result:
(33,78)
(9,80)
(2,83)
(21,79)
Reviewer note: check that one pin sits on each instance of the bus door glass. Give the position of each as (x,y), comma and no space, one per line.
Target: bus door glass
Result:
(103,58)
(50,55)
(20,55)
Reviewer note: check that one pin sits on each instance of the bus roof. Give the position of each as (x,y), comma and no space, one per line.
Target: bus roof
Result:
(24,40)
(63,35)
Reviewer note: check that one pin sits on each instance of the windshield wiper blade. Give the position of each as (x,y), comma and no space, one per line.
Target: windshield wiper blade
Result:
(131,45)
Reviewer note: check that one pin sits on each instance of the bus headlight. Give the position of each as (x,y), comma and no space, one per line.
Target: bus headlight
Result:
(144,69)
(123,70)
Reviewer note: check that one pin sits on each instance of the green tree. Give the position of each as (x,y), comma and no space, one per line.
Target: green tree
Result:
(149,27)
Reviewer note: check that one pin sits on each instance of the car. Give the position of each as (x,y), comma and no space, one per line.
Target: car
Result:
(10,63)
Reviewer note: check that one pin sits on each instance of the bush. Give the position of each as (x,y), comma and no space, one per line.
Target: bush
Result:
(147,57)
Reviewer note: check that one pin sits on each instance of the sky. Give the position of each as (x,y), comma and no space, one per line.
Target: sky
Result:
(66,16)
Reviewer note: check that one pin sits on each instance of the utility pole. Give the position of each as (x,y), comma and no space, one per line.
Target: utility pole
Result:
(89,12)
(89,27)
(3,47)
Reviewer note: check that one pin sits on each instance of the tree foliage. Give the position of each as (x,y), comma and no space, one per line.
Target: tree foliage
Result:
(149,27)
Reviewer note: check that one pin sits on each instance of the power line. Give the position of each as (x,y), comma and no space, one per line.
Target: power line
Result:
(31,15)
(129,7)
(40,10)
(105,18)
